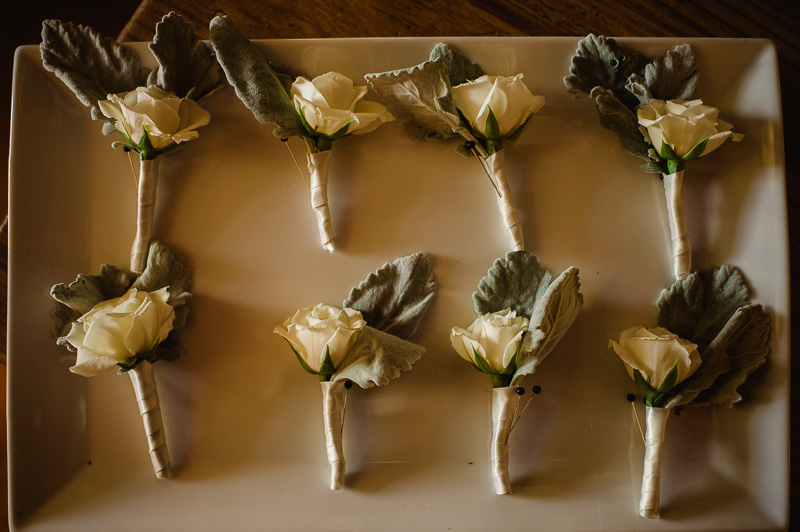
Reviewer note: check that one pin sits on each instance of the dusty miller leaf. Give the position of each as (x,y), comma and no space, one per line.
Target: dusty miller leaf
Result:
(88,290)
(618,119)
(376,358)
(91,66)
(459,68)
(516,281)
(699,306)
(603,62)
(187,65)
(164,270)
(555,312)
(394,298)
(669,77)
(256,84)
(420,94)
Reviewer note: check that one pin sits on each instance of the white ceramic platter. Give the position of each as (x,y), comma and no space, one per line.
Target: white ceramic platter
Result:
(244,421)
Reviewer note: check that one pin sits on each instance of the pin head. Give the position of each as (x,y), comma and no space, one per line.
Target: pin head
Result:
(348,384)
(537,389)
(631,398)
(520,391)
(469,144)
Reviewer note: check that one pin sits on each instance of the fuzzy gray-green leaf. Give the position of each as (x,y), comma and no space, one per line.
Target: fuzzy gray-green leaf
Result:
(421,95)
(553,315)
(164,270)
(516,281)
(459,68)
(376,358)
(394,298)
(91,66)
(88,290)
(603,62)
(256,84)
(673,76)
(187,65)
(699,306)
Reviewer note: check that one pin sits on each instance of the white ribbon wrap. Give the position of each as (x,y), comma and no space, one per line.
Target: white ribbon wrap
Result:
(318,177)
(497,168)
(148,182)
(681,248)
(333,397)
(656,421)
(504,404)
(144,384)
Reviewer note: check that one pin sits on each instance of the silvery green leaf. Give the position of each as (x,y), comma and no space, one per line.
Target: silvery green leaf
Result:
(91,66)
(376,358)
(553,315)
(623,123)
(256,84)
(187,65)
(459,68)
(673,76)
(88,290)
(699,306)
(516,281)
(738,349)
(603,62)
(164,270)
(395,298)
(420,94)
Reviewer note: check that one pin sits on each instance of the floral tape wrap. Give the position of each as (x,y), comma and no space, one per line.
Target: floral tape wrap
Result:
(333,397)
(148,182)
(318,170)
(504,404)
(681,249)
(144,384)
(497,168)
(656,420)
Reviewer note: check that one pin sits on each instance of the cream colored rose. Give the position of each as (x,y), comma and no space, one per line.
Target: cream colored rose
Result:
(689,129)
(117,330)
(167,118)
(315,332)
(654,352)
(331,106)
(495,337)
(507,99)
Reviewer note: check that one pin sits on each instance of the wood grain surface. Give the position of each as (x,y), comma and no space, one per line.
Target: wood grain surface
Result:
(777,20)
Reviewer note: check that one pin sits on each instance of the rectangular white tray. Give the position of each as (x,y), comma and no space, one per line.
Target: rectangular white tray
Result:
(244,421)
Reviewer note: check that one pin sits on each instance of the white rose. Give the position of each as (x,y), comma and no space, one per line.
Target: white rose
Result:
(331,106)
(496,337)
(654,352)
(118,329)
(167,119)
(316,331)
(688,129)
(508,99)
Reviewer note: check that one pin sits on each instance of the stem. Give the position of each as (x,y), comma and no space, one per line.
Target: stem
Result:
(681,248)
(504,404)
(505,202)
(333,396)
(318,178)
(148,183)
(656,422)
(144,384)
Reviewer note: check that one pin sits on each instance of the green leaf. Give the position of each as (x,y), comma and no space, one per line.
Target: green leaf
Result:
(341,132)
(517,132)
(395,298)
(641,382)
(164,270)
(697,151)
(668,153)
(673,76)
(421,95)
(459,68)
(91,66)
(256,84)
(376,358)
(603,62)
(516,281)
(699,306)
(618,119)
(481,363)
(187,65)
(553,315)
(300,359)
(669,380)
(492,128)
(327,368)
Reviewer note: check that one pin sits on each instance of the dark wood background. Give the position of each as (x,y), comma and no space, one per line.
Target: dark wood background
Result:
(778,20)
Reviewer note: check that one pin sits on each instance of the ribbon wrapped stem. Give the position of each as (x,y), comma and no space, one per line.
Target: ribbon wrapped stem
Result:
(148,183)
(318,182)
(504,404)
(681,248)
(333,396)
(656,421)
(144,385)
(505,203)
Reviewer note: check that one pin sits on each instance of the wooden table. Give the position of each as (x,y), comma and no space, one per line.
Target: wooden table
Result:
(287,19)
